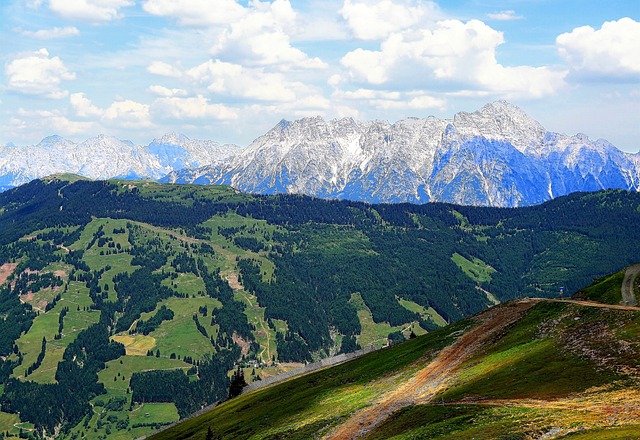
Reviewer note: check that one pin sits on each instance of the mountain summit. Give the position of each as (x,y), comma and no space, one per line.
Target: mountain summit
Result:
(496,156)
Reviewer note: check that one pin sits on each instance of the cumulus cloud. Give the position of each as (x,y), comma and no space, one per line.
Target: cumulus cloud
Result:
(83,107)
(609,53)
(392,100)
(89,10)
(196,12)
(166,92)
(228,79)
(163,69)
(375,20)
(262,37)
(452,54)
(128,113)
(53,33)
(49,121)
(191,108)
(38,74)
(507,15)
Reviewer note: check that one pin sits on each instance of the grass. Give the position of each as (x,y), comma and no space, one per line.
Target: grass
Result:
(373,333)
(607,289)
(477,270)
(46,325)
(525,364)
(264,335)
(117,373)
(614,433)
(154,413)
(424,312)
(136,345)
(180,335)
(7,421)
(297,408)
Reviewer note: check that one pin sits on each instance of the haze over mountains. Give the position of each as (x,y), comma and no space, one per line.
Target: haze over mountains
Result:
(496,156)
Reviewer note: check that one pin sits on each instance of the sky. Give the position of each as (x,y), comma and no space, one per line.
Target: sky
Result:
(230,70)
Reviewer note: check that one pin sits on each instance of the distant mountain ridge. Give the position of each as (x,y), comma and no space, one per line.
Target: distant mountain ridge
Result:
(496,156)
(103,157)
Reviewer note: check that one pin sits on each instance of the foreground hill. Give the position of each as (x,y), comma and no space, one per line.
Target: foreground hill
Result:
(124,305)
(526,369)
(496,156)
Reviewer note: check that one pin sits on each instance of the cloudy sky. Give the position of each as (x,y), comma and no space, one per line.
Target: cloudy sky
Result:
(229,70)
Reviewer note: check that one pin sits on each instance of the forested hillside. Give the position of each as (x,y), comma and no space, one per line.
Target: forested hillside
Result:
(125,305)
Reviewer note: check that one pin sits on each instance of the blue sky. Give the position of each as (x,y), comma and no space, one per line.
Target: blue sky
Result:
(229,70)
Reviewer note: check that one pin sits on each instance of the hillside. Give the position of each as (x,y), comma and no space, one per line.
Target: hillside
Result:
(126,304)
(527,369)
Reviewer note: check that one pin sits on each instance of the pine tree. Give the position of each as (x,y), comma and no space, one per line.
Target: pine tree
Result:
(209,434)
(237,383)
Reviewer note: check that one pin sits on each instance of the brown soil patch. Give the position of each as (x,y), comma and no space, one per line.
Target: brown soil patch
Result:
(28,298)
(244,345)
(6,270)
(234,282)
(434,377)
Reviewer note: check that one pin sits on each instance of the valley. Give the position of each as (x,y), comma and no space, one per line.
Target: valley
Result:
(126,304)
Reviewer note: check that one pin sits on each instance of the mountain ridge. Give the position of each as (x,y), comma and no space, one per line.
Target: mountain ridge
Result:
(496,156)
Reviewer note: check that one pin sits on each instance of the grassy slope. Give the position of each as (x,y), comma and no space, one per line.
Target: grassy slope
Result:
(605,289)
(297,408)
(529,380)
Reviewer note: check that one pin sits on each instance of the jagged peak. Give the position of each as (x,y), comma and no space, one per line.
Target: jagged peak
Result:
(52,140)
(172,138)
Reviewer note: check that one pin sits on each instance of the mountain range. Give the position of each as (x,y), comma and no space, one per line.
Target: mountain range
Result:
(103,157)
(496,156)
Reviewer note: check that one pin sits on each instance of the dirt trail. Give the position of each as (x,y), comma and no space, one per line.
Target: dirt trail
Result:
(594,304)
(236,285)
(630,275)
(434,377)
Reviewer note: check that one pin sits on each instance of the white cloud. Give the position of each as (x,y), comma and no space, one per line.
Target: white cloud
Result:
(229,79)
(507,15)
(367,94)
(451,55)
(375,20)
(191,108)
(83,107)
(164,69)
(262,37)
(166,92)
(53,33)
(196,12)
(90,10)
(38,74)
(49,121)
(128,113)
(612,52)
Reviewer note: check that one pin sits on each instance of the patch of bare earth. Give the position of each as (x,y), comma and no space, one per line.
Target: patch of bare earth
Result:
(234,282)
(244,345)
(435,376)
(6,270)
